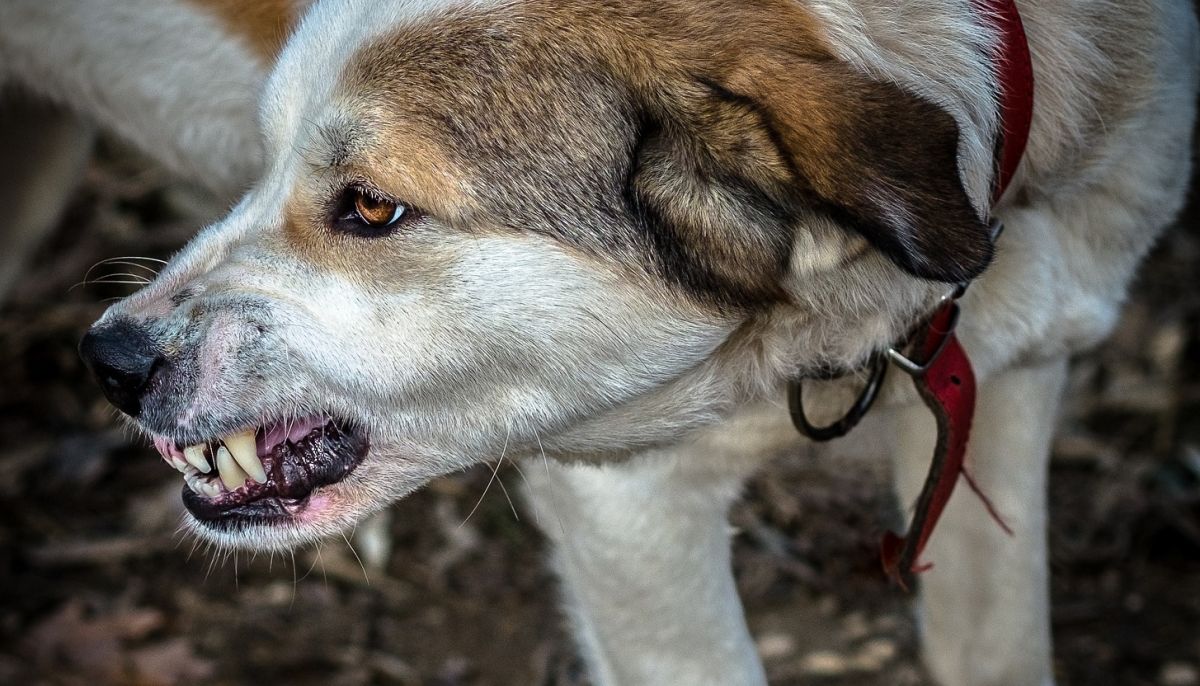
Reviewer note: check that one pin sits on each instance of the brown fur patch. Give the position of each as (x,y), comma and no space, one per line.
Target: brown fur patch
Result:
(263,24)
(879,160)
(406,164)
(683,140)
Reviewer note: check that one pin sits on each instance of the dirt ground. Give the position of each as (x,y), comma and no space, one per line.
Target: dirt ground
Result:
(97,587)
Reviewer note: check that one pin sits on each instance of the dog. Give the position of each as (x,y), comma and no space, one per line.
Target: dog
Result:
(612,234)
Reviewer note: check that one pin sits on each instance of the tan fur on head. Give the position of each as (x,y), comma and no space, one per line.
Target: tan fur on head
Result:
(628,220)
(728,152)
(621,221)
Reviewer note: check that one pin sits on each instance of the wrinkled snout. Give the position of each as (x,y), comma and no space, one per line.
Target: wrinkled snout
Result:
(124,359)
(196,367)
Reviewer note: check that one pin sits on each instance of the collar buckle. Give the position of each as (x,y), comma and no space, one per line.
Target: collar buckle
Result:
(938,332)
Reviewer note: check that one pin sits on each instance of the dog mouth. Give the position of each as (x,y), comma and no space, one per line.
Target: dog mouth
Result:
(266,473)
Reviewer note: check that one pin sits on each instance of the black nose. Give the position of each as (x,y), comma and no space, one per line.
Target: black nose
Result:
(123,358)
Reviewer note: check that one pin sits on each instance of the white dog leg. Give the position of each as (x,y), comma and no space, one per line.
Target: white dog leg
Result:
(643,551)
(984,607)
(165,75)
(43,150)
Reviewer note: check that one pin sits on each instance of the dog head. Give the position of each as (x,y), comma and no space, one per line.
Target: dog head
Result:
(494,228)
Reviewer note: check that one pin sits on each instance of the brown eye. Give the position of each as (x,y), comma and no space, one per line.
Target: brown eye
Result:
(368,213)
(377,212)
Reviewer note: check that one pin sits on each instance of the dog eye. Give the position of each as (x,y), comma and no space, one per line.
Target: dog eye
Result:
(368,213)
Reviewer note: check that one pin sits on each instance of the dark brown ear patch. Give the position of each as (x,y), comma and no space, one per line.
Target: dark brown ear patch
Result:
(725,181)
(885,163)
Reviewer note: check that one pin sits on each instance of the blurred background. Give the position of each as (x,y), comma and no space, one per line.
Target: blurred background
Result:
(98,587)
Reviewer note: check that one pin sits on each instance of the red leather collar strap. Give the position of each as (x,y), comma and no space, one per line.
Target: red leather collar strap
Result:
(945,379)
(1014,74)
(947,385)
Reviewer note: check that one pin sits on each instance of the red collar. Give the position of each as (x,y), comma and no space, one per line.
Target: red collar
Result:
(947,382)
(942,371)
(1014,76)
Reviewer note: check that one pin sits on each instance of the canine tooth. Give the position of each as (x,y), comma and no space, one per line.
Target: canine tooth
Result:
(245,453)
(227,468)
(194,454)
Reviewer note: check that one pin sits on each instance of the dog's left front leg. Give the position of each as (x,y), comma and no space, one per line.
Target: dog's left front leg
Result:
(642,549)
(984,606)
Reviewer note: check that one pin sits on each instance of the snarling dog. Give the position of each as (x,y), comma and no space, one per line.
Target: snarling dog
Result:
(612,233)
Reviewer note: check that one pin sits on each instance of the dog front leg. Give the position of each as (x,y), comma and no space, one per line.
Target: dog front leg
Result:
(984,607)
(43,151)
(642,549)
(165,75)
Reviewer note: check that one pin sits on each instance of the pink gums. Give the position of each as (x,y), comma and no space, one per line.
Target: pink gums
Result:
(289,430)
(167,449)
(314,509)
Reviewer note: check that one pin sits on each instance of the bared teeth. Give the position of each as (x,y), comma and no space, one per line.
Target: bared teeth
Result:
(227,468)
(235,460)
(195,456)
(209,488)
(245,453)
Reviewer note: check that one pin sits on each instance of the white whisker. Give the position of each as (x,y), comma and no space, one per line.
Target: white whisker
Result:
(550,482)
(495,471)
(356,557)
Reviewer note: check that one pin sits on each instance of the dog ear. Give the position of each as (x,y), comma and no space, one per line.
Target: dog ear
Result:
(702,190)
(779,136)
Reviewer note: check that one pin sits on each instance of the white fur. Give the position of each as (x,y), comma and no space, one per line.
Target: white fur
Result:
(330,34)
(496,346)
(645,609)
(163,75)
(43,151)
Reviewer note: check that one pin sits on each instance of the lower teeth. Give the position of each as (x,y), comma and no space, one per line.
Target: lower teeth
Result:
(203,486)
